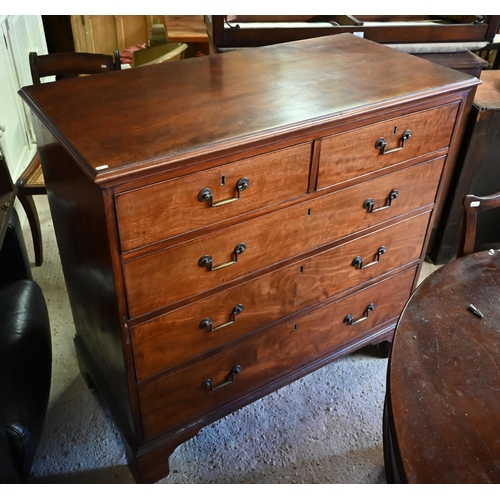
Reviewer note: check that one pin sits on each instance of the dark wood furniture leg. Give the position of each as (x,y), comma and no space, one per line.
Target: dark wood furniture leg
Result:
(392,472)
(31,212)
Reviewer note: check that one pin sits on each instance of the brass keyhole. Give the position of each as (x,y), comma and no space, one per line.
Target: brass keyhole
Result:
(395,131)
(223,180)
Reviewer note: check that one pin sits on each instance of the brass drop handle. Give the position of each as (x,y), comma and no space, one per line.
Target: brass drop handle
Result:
(206,195)
(208,384)
(206,260)
(207,322)
(369,204)
(381,143)
(359,263)
(349,320)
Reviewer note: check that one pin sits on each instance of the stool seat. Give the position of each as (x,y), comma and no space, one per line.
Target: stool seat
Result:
(35,179)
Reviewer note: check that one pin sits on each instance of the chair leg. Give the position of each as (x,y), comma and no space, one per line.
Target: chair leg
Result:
(31,212)
(496,61)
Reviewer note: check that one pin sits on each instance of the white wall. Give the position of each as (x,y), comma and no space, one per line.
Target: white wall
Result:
(19,35)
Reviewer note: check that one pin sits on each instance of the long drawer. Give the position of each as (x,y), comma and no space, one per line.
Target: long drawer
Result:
(358,152)
(166,209)
(192,330)
(184,270)
(190,393)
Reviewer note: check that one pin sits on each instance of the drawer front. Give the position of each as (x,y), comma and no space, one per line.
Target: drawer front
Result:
(354,154)
(184,333)
(167,209)
(171,401)
(175,273)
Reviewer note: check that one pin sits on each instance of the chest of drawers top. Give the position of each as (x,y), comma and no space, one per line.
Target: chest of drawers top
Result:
(156,117)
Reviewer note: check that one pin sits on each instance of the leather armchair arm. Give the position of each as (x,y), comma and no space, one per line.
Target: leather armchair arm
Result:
(25,370)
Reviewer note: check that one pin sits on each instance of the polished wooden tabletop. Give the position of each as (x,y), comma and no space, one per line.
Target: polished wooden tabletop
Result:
(443,394)
(145,115)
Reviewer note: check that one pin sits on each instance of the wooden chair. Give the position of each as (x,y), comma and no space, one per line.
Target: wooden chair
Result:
(71,64)
(472,205)
(491,52)
(61,65)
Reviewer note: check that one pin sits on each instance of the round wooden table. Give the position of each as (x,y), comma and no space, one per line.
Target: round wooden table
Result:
(442,412)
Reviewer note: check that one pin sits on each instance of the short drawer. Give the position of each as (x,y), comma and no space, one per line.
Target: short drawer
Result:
(169,402)
(161,211)
(358,152)
(192,330)
(163,278)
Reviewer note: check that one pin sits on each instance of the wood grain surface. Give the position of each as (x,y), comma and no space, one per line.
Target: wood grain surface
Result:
(444,375)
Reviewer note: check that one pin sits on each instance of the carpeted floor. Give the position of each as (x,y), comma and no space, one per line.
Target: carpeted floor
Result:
(323,429)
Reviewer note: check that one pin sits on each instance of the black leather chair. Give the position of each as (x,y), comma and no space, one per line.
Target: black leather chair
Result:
(25,358)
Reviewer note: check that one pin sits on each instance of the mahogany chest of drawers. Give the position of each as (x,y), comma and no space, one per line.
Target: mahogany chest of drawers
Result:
(230,223)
